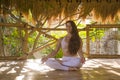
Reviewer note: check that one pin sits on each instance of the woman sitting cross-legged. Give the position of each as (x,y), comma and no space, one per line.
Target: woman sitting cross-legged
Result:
(71,46)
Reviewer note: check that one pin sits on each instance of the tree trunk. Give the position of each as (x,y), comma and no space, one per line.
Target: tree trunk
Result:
(25,42)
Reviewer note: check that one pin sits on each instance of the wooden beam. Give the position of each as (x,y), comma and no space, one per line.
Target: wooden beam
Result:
(37,29)
(11,24)
(104,25)
(58,29)
(8,57)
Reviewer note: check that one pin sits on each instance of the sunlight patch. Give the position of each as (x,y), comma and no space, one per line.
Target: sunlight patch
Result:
(114,72)
(20,77)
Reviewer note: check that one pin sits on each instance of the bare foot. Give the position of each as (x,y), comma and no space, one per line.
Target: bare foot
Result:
(73,69)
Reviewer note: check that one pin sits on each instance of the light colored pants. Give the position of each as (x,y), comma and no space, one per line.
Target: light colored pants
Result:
(66,63)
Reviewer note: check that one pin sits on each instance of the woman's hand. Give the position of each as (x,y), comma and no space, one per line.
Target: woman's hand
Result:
(44,59)
(83,60)
(60,61)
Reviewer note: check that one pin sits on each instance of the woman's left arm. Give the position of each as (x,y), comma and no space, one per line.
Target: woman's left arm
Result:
(82,58)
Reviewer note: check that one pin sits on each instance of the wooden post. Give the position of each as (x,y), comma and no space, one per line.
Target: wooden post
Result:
(2,53)
(87,41)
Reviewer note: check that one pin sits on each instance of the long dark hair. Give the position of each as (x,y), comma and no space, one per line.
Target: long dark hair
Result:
(74,42)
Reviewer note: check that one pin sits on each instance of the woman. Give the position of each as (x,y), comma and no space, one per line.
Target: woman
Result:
(71,46)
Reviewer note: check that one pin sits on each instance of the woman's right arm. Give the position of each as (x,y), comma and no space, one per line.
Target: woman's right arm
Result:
(54,52)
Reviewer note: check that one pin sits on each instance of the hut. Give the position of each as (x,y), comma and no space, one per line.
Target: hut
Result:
(32,15)
(23,22)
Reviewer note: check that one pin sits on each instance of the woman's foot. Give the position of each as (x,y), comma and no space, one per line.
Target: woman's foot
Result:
(73,69)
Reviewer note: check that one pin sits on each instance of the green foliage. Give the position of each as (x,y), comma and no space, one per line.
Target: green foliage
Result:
(49,49)
(58,34)
(31,39)
(59,54)
(11,41)
(81,26)
(97,33)
(82,34)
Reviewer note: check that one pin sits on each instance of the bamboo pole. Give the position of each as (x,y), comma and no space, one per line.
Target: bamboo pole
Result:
(36,40)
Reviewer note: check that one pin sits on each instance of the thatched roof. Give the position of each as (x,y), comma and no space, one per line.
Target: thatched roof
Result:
(99,9)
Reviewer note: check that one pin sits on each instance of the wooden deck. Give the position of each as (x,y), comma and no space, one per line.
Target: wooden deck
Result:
(32,69)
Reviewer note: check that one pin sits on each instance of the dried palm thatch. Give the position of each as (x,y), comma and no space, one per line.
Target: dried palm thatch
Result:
(103,10)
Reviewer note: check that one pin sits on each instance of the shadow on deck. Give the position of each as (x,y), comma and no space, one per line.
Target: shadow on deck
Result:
(32,69)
